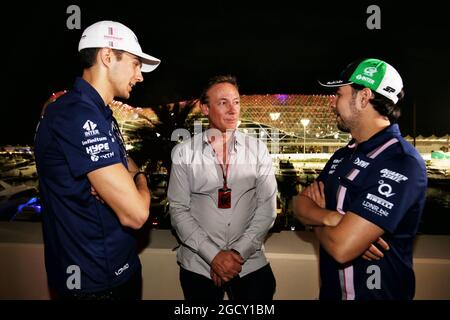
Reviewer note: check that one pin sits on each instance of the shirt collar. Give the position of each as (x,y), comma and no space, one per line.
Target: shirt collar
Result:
(365,147)
(89,92)
(238,138)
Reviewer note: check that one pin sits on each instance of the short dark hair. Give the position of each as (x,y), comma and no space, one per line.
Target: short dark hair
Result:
(216,80)
(383,105)
(89,55)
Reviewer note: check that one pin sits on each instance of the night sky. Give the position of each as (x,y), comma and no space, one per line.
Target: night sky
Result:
(277,47)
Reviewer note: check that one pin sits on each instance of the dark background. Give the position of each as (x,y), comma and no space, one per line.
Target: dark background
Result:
(277,47)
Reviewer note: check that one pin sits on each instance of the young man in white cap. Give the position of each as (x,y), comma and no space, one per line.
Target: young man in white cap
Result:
(373,187)
(92,194)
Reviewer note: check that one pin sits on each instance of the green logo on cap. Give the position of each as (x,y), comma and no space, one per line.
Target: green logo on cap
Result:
(369,73)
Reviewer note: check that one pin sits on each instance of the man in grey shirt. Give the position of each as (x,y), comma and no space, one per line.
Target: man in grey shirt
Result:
(222,195)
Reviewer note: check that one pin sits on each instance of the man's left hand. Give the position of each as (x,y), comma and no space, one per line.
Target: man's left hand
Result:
(132,167)
(96,195)
(373,253)
(216,279)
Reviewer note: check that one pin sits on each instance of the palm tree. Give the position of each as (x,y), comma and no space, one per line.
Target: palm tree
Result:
(156,143)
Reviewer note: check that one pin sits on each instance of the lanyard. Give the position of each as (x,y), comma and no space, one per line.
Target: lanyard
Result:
(227,166)
(225,174)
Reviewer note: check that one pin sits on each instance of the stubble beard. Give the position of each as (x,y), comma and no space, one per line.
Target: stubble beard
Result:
(351,122)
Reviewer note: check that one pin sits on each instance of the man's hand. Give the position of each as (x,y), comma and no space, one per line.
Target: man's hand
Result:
(215,278)
(132,167)
(373,253)
(227,264)
(315,191)
(96,195)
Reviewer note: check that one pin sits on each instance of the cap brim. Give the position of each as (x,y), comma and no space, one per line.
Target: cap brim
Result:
(149,63)
(334,83)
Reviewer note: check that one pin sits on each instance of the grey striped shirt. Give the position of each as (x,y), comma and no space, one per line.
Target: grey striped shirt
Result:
(202,227)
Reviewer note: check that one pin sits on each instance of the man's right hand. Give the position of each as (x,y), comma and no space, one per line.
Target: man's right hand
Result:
(316,192)
(227,264)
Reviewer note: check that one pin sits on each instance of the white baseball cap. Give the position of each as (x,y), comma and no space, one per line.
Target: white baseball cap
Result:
(114,35)
(375,74)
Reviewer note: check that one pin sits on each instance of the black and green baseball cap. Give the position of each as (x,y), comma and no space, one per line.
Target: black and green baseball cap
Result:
(372,73)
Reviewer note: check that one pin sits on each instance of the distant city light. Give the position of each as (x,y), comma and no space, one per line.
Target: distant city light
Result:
(274,115)
(282,97)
